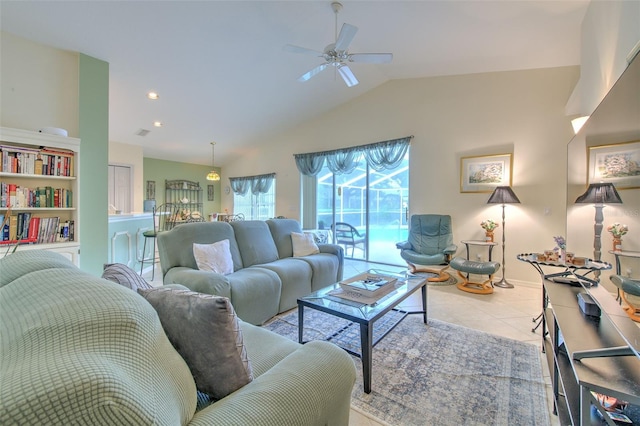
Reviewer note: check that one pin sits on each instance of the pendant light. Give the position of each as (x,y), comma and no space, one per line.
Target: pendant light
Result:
(213,175)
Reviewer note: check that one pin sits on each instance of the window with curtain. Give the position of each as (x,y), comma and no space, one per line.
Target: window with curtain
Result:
(379,156)
(254,196)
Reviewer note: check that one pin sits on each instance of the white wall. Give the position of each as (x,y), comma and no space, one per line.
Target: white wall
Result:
(38,86)
(520,112)
(132,156)
(610,30)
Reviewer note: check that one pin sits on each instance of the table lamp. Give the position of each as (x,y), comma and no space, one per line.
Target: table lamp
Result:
(503,195)
(599,194)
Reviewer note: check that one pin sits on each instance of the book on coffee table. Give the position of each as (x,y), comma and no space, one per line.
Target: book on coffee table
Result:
(369,285)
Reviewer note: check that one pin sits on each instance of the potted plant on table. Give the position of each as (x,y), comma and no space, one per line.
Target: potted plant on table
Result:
(617,231)
(489,226)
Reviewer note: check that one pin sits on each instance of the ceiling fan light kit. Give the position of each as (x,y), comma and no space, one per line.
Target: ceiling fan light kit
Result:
(337,54)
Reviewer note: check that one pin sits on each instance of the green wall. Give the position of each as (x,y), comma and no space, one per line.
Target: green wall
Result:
(161,170)
(94,154)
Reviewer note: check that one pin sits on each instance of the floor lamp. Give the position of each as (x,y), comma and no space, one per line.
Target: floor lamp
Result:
(503,195)
(599,194)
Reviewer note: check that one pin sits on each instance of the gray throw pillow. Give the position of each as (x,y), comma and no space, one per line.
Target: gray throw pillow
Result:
(205,331)
(123,275)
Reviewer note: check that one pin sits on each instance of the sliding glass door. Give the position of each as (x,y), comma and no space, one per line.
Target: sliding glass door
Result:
(366,210)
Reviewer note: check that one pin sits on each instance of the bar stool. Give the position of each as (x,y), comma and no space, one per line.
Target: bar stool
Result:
(163,220)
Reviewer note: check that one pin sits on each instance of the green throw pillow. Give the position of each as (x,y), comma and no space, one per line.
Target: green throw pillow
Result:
(205,331)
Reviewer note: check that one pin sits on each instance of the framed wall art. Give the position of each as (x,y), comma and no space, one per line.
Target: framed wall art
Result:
(210,193)
(151,190)
(484,172)
(618,164)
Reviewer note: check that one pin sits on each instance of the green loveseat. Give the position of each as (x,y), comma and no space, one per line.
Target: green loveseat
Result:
(266,278)
(78,349)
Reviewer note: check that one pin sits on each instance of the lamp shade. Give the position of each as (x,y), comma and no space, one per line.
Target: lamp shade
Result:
(600,193)
(503,195)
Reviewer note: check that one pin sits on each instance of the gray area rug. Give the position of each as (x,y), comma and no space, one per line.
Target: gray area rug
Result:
(440,373)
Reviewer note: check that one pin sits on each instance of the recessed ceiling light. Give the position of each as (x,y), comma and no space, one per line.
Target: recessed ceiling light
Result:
(157,123)
(153,96)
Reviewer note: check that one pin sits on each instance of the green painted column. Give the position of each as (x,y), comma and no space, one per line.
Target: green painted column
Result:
(94,157)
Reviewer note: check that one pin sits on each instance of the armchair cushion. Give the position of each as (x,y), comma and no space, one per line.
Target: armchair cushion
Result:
(430,240)
(205,330)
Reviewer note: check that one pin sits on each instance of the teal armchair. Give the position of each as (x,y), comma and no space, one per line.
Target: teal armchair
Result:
(430,243)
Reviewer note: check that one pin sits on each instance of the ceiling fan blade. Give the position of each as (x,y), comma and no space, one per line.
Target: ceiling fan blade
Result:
(298,49)
(316,70)
(347,32)
(371,58)
(347,75)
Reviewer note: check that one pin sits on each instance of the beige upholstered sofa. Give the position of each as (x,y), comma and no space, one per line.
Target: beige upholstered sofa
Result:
(266,279)
(78,349)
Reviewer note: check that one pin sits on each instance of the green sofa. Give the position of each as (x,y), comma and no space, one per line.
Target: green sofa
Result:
(78,349)
(266,278)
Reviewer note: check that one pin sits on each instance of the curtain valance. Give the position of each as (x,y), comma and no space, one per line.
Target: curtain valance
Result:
(379,156)
(259,184)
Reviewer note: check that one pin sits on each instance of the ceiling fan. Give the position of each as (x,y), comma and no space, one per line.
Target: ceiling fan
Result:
(337,55)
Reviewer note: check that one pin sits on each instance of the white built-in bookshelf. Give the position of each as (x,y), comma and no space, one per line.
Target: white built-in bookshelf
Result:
(39,188)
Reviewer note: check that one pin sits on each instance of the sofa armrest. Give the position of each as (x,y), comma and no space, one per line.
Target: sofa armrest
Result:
(337,250)
(200,281)
(332,249)
(311,386)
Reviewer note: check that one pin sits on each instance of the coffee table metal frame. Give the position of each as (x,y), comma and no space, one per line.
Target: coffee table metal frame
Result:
(366,315)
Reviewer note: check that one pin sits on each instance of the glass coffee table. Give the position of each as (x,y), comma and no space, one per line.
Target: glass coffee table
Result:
(374,320)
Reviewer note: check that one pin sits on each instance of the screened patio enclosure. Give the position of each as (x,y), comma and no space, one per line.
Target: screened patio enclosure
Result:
(374,202)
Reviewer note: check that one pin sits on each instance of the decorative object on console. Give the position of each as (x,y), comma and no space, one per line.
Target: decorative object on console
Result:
(503,195)
(617,231)
(213,175)
(561,247)
(599,194)
(489,226)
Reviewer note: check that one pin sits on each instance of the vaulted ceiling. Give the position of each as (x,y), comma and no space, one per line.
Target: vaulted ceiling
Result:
(222,73)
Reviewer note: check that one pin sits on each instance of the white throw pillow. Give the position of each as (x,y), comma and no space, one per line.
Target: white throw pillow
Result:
(214,257)
(303,244)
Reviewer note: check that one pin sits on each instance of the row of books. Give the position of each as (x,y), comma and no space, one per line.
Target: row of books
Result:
(26,228)
(15,196)
(44,161)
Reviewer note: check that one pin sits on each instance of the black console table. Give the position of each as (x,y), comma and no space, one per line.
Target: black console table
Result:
(572,272)
(585,354)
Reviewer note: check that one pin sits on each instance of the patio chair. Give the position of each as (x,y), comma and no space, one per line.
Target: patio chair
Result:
(348,236)
(430,242)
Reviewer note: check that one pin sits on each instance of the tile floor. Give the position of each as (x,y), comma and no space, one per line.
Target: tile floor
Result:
(506,312)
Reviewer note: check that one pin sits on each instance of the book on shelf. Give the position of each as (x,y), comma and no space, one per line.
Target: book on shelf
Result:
(369,285)
(45,161)
(13,195)
(26,228)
